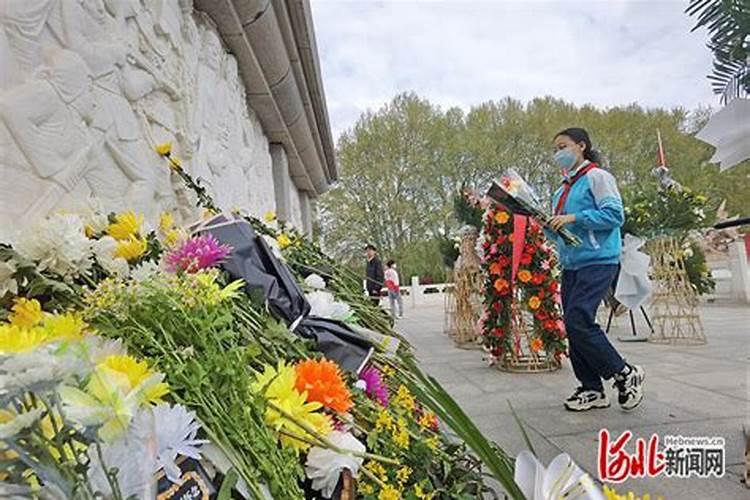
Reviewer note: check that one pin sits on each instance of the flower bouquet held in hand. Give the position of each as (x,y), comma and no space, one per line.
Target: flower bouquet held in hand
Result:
(517,196)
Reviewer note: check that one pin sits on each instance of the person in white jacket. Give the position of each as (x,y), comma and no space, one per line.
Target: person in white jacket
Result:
(392,283)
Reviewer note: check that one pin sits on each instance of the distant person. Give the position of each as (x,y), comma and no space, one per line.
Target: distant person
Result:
(589,204)
(393,284)
(375,275)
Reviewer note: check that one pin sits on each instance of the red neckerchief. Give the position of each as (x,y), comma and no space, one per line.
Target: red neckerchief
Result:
(568,184)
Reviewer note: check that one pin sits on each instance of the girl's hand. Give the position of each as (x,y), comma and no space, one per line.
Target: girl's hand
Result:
(558,221)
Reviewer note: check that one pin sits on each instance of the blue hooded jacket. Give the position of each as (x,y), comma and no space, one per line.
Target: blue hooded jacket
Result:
(597,205)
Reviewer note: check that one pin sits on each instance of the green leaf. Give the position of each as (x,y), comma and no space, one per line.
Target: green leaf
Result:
(230,480)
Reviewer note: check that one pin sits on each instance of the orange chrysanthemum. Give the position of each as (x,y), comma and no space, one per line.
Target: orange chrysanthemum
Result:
(535,302)
(496,268)
(524,276)
(501,285)
(322,381)
(502,217)
(536,344)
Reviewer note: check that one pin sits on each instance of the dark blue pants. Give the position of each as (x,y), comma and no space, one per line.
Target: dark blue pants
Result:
(592,355)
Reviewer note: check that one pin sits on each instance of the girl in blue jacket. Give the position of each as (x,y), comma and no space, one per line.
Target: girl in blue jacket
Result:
(589,204)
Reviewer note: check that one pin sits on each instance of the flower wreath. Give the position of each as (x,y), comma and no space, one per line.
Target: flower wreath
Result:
(540,291)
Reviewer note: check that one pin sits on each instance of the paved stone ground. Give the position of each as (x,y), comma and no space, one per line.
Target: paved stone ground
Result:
(690,391)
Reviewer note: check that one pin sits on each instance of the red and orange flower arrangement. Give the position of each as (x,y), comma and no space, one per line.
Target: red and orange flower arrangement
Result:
(539,290)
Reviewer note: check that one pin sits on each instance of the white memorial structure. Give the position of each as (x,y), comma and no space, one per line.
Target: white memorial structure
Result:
(88,88)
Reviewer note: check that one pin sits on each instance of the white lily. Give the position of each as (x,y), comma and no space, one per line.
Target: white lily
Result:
(563,479)
(324,466)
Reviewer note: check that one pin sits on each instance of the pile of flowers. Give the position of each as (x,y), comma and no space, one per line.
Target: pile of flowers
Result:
(535,290)
(74,407)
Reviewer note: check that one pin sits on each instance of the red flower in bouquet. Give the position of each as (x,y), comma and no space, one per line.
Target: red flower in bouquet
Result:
(498,332)
(497,307)
(526,259)
(541,294)
(524,276)
(530,249)
(504,261)
(496,269)
(540,315)
(550,325)
(502,286)
(553,287)
(502,239)
(538,278)
(502,217)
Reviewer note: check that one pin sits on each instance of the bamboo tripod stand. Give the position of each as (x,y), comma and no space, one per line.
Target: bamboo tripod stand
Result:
(675,304)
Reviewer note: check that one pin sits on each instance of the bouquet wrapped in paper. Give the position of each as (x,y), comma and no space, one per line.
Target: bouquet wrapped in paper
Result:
(517,195)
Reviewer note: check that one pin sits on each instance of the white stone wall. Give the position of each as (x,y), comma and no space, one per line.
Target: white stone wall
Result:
(89,87)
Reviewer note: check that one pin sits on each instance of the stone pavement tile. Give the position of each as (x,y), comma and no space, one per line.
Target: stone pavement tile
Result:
(504,430)
(731,383)
(557,421)
(703,402)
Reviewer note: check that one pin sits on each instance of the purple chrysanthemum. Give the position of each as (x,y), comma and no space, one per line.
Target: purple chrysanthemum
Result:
(198,252)
(375,387)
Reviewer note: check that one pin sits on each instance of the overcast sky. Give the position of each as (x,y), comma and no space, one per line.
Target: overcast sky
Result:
(463,52)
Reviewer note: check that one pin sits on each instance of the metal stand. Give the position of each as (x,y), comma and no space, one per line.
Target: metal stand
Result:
(635,337)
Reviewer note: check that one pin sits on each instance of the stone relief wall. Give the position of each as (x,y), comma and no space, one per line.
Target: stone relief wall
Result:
(88,87)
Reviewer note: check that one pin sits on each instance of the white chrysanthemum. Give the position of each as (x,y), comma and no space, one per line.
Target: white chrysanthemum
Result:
(315,281)
(135,463)
(145,271)
(104,251)
(324,305)
(173,431)
(39,371)
(58,244)
(19,423)
(324,466)
(7,282)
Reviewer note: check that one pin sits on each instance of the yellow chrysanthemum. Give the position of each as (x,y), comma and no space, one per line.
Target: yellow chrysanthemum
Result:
(26,313)
(377,470)
(365,488)
(269,216)
(164,149)
(388,492)
(384,421)
(283,240)
(403,474)
(14,339)
(166,222)
(611,494)
(131,249)
(126,226)
(68,326)
(432,442)
(135,372)
(401,434)
(278,386)
(404,399)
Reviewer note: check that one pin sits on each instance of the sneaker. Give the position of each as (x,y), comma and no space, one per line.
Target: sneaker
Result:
(586,399)
(630,387)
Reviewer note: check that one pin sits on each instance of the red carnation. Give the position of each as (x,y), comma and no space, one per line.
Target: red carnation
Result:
(550,325)
(530,248)
(526,259)
(553,287)
(504,261)
(538,278)
(540,315)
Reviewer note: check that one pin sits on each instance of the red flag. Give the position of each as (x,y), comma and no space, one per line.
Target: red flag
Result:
(661,159)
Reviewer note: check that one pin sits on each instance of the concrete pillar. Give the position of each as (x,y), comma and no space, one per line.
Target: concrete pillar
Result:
(740,273)
(282,183)
(416,291)
(307,215)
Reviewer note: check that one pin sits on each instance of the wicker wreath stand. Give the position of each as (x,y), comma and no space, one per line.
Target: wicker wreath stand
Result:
(675,304)
(467,293)
(522,358)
